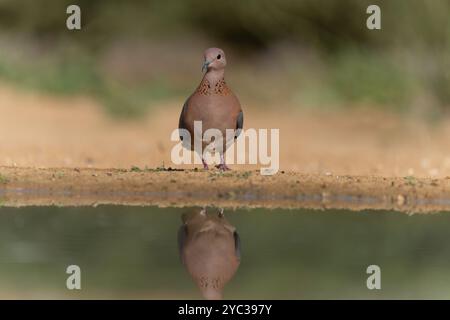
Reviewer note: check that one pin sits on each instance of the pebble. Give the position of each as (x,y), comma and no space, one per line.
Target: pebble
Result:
(401,200)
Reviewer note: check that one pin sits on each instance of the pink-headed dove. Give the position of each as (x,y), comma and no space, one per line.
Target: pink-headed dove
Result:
(214,104)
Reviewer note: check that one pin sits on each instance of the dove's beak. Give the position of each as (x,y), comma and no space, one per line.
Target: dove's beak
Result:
(205,66)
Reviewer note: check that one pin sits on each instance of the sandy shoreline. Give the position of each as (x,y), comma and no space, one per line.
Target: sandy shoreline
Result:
(169,187)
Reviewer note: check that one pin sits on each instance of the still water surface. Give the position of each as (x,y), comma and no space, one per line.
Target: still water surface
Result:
(133,252)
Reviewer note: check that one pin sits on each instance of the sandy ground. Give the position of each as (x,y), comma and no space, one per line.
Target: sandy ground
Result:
(40,131)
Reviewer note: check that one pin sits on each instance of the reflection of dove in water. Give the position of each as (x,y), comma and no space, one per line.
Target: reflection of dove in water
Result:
(210,250)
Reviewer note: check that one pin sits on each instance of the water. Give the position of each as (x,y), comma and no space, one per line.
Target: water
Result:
(132,252)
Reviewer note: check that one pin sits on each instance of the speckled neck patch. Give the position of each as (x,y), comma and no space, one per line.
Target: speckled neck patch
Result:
(206,282)
(220,88)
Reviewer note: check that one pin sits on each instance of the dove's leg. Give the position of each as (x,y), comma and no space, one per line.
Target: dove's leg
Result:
(205,165)
(222,166)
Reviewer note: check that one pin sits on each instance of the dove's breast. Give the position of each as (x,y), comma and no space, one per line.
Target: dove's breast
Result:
(216,107)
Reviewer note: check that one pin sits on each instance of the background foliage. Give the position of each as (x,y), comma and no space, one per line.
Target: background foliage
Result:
(130,55)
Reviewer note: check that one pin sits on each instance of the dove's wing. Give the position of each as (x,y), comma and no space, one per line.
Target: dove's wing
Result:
(237,245)
(239,124)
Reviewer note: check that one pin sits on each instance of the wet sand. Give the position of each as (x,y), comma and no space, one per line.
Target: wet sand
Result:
(171,187)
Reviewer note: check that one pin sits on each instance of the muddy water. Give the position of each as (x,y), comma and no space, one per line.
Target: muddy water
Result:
(133,252)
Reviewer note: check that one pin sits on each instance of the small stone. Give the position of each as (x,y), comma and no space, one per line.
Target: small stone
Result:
(401,200)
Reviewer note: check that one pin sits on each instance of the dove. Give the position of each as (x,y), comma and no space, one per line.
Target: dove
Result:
(209,248)
(214,104)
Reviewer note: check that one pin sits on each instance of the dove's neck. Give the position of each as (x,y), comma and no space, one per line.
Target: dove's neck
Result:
(214,76)
(212,294)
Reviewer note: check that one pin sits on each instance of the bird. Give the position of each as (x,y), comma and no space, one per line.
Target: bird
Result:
(209,248)
(214,104)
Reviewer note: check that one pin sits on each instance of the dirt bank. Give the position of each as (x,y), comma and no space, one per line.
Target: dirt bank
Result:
(167,187)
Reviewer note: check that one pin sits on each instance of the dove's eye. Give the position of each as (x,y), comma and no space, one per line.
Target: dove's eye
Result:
(219,56)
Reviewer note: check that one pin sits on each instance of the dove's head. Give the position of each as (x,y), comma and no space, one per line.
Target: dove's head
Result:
(214,59)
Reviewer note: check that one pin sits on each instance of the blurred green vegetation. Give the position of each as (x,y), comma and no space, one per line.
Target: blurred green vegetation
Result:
(131,252)
(132,55)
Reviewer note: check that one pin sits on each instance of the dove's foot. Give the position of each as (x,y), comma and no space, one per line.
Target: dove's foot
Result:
(205,165)
(223,167)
